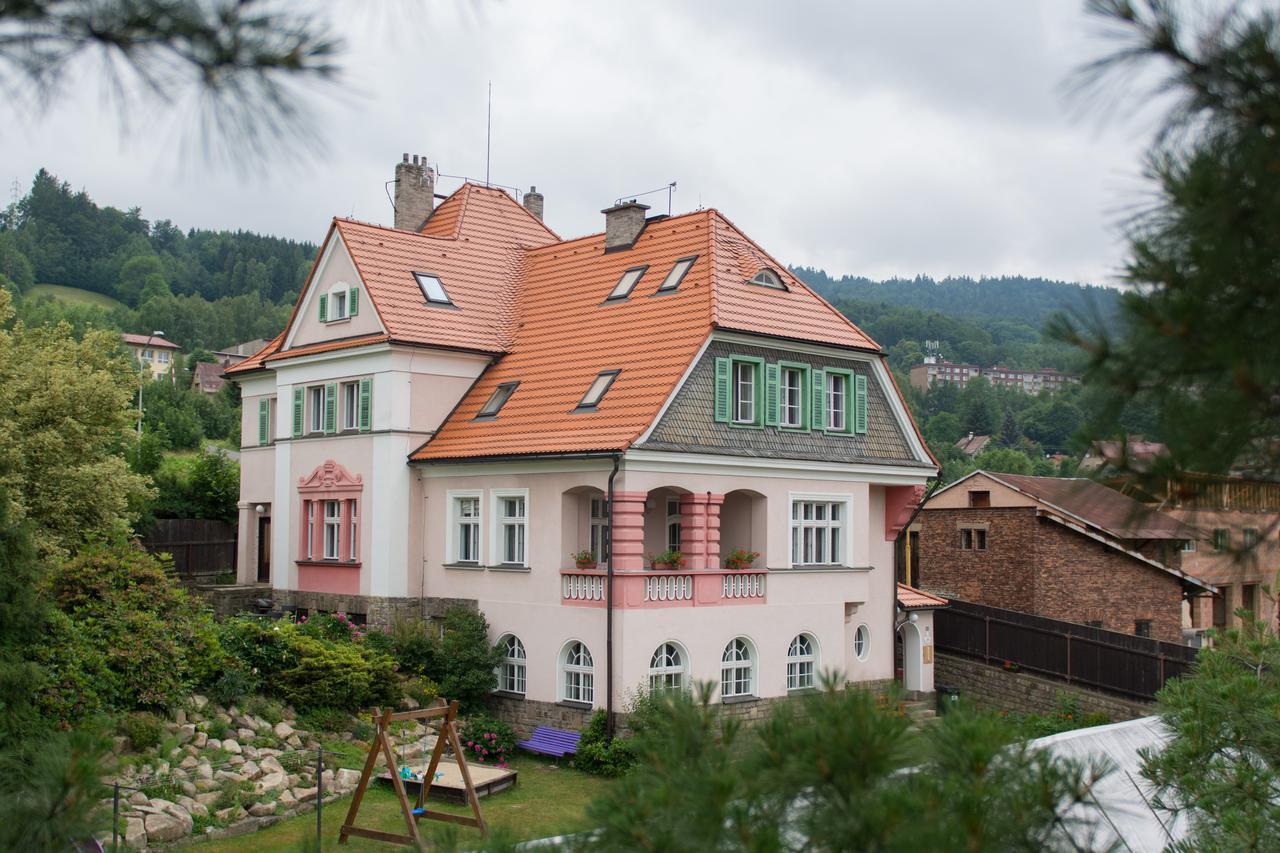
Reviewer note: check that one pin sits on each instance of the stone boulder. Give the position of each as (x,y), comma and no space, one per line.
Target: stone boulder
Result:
(262,809)
(198,701)
(135,833)
(282,730)
(185,732)
(232,746)
(346,779)
(163,827)
(272,782)
(250,770)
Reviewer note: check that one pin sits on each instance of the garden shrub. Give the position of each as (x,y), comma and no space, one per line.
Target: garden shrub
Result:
(422,690)
(338,676)
(324,719)
(329,626)
(75,682)
(261,645)
(217,728)
(468,662)
(362,730)
(267,709)
(142,729)
(486,740)
(234,683)
(600,754)
(414,647)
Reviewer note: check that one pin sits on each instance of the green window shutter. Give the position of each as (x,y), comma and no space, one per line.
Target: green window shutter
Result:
(723,392)
(771,401)
(331,407)
(297,412)
(264,420)
(860,405)
(324,308)
(366,403)
(353,302)
(818,399)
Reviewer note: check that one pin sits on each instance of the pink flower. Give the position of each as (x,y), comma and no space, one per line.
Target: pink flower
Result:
(469,743)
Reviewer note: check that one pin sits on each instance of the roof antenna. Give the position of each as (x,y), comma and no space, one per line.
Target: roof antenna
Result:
(488,135)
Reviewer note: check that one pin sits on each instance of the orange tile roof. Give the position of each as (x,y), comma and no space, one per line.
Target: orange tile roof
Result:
(256,361)
(153,341)
(327,346)
(910,598)
(567,334)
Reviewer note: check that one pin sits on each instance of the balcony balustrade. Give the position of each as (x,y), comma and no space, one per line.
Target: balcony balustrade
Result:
(690,588)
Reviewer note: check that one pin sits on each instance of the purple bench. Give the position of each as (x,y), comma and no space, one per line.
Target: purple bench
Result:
(549,741)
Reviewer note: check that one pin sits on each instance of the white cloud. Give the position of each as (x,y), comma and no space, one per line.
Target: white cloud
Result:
(897,137)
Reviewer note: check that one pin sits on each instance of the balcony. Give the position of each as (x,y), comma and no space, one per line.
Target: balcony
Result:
(689,588)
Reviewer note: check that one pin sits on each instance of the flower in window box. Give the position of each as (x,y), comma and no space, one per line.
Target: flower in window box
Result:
(666,561)
(585,559)
(740,559)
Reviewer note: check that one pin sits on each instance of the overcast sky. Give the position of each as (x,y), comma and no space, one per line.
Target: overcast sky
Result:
(872,138)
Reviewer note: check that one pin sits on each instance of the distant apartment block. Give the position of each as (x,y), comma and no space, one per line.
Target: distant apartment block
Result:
(153,354)
(935,370)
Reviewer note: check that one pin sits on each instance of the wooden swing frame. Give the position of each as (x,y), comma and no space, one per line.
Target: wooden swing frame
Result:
(381,744)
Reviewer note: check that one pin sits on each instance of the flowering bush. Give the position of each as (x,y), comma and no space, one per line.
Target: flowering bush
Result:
(330,626)
(741,559)
(487,741)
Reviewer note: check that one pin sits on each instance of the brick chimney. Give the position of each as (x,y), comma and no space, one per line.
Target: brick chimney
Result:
(415,192)
(533,202)
(623,224)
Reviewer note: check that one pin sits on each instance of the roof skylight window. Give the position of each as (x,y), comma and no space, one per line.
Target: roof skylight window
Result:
(677,274)
(497,400)
(432,289)
(768,278)
(627,283)
(599,386)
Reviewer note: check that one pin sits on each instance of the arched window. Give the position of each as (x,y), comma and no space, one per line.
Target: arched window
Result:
(512,670)
(802,660)
(768,278)
(862,642)
(576,677)
(667,668)
(737,669)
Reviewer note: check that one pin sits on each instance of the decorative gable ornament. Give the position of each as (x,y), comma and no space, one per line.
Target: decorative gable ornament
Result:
(330,476)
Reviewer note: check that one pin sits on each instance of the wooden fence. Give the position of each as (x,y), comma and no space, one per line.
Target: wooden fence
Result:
(1091,657)
(202,548)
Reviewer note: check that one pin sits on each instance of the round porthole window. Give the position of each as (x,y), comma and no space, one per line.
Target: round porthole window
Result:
(862,642)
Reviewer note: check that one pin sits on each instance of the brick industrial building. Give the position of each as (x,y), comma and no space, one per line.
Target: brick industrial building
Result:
(1068,549)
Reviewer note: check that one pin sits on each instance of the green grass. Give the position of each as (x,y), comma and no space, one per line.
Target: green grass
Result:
(545,801)
(73,294)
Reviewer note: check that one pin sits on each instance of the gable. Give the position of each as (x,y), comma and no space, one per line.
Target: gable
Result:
(689,423)
(956,496)
(336,272)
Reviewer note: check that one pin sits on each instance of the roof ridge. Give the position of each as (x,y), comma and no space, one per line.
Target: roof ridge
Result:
(507,197)
(360,222)
(713,239)
(565,241)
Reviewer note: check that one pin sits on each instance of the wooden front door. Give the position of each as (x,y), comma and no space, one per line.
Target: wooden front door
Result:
(264,549)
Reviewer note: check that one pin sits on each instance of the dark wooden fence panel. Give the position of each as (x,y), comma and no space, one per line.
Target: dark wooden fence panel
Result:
(1092,657)
(202,548)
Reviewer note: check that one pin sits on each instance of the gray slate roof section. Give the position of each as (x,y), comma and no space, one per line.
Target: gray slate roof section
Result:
(689,423)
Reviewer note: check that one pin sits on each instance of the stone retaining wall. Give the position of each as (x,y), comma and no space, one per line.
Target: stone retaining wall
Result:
(996,688)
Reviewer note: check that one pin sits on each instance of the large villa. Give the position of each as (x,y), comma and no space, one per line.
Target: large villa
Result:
(469,408)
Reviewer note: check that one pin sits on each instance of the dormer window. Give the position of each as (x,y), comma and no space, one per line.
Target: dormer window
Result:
(768,278)
(599,386)
(497,400)
(432,289)
(677,274)
(627,283)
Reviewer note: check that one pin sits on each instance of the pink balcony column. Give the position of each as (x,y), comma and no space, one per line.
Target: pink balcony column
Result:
(627,533)
(700,530)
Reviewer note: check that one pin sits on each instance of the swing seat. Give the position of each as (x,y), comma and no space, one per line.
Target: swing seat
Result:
(550,741)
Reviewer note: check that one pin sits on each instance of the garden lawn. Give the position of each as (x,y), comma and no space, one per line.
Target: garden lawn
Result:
(546,801)
(73,295)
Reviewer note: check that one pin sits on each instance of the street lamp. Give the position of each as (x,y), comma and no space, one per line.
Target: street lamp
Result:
(150,338)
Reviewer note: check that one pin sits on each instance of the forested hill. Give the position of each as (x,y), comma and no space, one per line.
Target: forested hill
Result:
(1030,300)
(67,258)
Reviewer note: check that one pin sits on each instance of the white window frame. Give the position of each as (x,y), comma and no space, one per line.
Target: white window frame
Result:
(315,409)
(731,666)
(501,523)
(667,676)
(739,402)
(349,394)
(575,681)
(842,526)
(802,666)
(598,537)
(332,525)
(340,291)
(834,423)
(791,415)
(353,513)
(513,671)
(1187,546)
(311,528)
(865,632)
(674,524)
(452,544)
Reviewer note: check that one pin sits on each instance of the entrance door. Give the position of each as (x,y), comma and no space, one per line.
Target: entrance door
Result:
(264,549)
